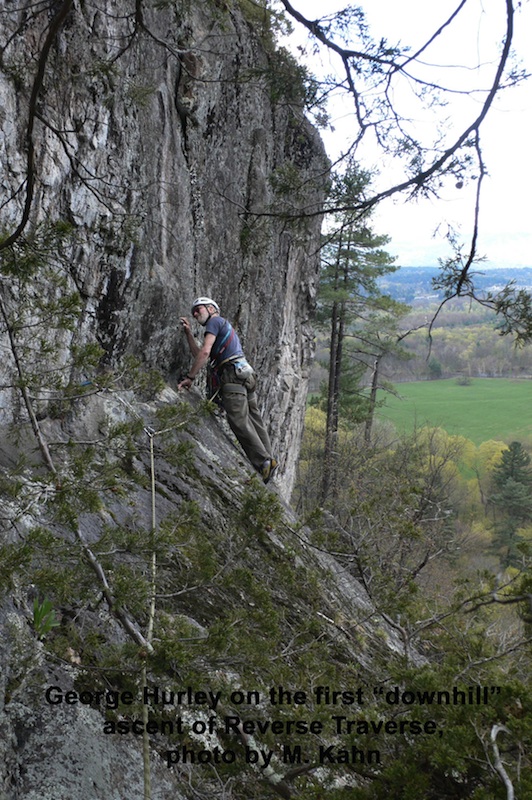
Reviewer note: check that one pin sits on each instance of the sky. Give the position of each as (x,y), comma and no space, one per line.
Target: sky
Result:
(417,229)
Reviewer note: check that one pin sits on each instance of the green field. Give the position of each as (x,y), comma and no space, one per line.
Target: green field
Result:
(489,408)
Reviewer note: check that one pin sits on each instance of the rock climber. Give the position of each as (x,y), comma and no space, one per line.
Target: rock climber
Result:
(237,380)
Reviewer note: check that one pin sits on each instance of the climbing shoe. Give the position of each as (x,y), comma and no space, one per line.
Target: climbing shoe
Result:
(268,468)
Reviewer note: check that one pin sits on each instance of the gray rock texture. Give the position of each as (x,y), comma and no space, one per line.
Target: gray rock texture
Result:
(264,564)
(171,137)
(152,152)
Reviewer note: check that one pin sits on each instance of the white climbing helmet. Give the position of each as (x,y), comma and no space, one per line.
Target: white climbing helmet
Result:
(205,301)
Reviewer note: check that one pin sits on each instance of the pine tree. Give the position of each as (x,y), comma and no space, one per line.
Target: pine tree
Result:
(514,464)
(352,262)
(512,478)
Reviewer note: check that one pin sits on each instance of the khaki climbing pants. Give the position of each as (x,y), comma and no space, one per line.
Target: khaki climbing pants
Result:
(244,417)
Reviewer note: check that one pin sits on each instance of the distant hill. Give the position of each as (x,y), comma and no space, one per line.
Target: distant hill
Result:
(414,284)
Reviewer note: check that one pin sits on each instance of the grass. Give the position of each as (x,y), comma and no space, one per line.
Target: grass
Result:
(487,408)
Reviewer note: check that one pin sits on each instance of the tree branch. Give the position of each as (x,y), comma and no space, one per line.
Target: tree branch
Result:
(498,765)
(54,29)
(422,177)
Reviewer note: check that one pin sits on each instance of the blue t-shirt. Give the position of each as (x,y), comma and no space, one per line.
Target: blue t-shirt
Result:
(227,344)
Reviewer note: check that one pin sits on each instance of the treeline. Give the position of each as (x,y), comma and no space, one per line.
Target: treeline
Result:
(413,285)
(457,345)
(463,340)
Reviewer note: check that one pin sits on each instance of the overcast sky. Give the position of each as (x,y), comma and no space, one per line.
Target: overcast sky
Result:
(417,229)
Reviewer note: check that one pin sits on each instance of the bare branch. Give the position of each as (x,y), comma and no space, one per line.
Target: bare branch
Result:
(498,765)
(54,29)
(444,160)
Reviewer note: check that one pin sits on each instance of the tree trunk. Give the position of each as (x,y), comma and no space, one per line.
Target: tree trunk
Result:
(333,389)
(372,400)
(331,425)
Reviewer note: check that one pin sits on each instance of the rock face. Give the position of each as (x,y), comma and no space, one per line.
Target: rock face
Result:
(152,152)
(245,602)
(171,138)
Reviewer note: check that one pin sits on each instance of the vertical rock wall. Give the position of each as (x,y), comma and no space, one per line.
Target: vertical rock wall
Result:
(171,137)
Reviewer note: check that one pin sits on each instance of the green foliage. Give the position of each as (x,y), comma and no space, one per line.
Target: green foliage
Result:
(41,323)
(44,618)
(392,529)
(14,559)
(136,377)
(285,180)
(435,368)
(512,479)
(37,250)
(266,22)
(463,339)
(360,321)
(230,601)
(514,465)
(514,306)
(393,511)
(261,510)
(140,94)
(354,403)
(289,81)
(54,565)
(236,599)
(171,418)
